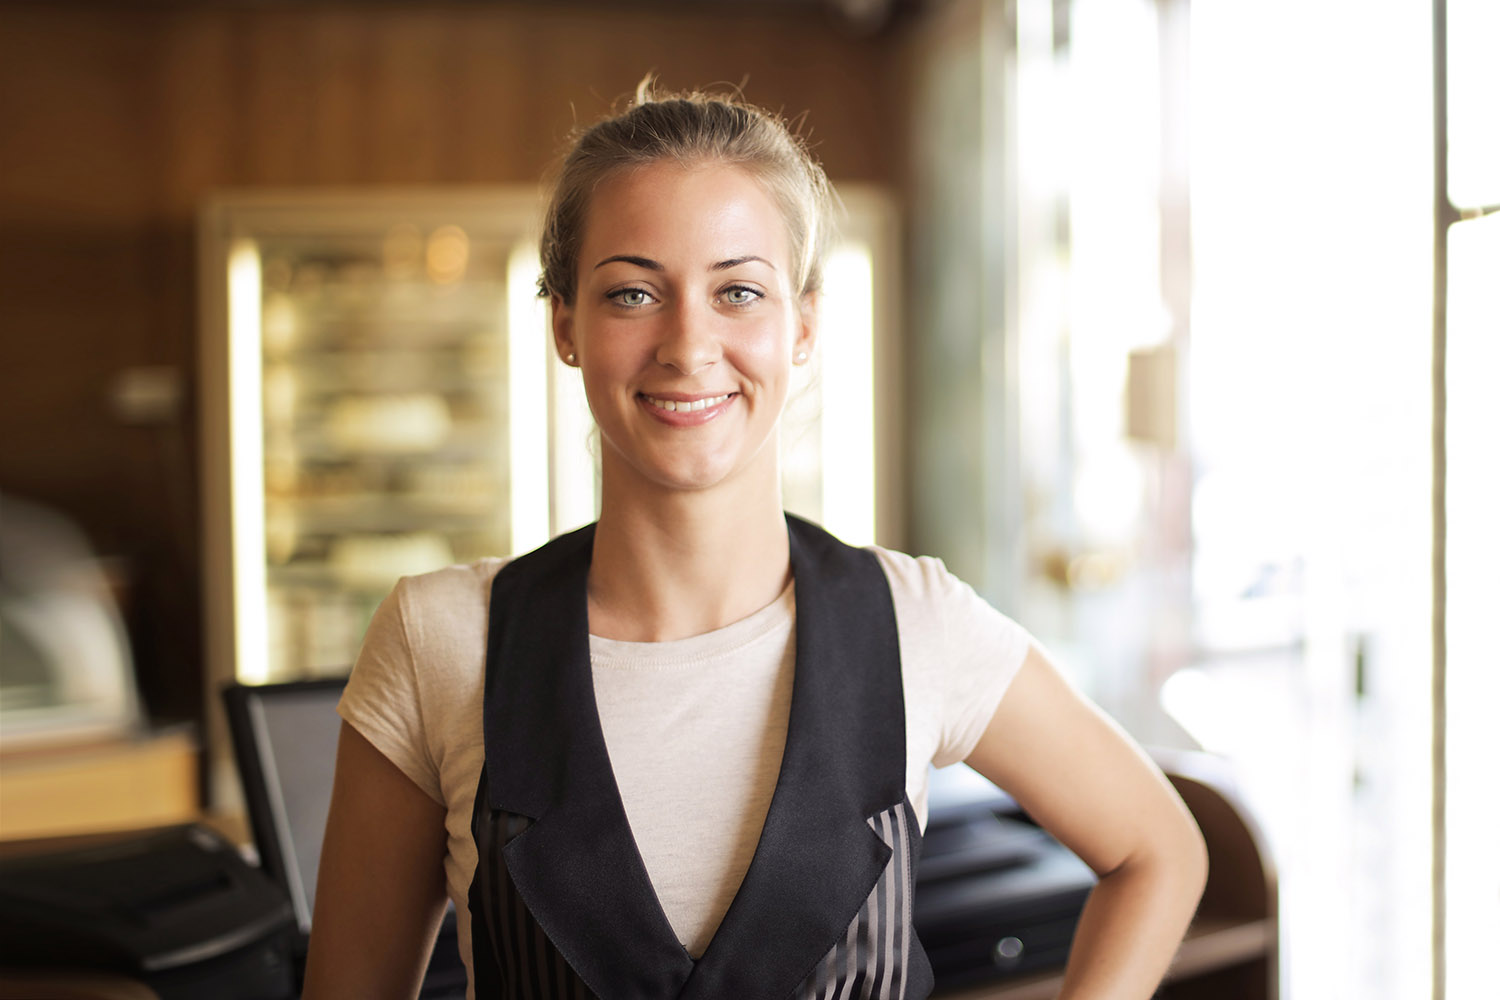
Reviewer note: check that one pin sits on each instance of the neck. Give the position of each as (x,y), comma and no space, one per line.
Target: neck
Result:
(681,564)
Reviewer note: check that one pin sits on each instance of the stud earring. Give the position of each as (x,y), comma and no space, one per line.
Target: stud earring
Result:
(801,357)
(572,359)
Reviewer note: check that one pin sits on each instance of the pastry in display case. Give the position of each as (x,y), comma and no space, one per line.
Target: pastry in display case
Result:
(363,355)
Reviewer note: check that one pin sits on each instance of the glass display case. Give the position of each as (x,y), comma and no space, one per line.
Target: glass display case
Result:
(363,359)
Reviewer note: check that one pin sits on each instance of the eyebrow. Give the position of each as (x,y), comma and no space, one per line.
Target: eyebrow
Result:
(725,265)
(654,265)
(646,262)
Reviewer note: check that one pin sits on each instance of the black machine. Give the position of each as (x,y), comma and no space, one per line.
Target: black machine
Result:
(180,909)
(996,896)
(285,739)
(177,909)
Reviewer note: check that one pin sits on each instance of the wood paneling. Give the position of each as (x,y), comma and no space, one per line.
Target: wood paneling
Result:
(115,124)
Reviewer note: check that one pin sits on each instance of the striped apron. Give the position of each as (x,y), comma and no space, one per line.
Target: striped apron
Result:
(561,903)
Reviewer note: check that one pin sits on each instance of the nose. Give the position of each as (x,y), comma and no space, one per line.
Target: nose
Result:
(688,339)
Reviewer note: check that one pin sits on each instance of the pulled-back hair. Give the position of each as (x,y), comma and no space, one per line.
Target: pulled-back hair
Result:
(689,129)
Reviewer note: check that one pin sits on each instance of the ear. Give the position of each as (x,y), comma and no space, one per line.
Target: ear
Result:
(562,329)
(807,326)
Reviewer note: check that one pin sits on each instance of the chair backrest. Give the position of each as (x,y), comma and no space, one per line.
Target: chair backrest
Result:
(285,740)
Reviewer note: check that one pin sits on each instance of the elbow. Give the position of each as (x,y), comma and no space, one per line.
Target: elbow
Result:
(1183,862)
(1182,852)
(1174,860)
(1182,848)
(1195,861)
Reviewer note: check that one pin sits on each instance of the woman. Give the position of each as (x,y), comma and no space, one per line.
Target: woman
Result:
(684,751)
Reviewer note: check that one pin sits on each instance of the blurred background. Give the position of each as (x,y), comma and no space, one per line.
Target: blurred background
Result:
(1170,325)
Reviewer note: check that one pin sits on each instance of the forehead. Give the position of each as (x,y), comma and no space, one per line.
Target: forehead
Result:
(668,211)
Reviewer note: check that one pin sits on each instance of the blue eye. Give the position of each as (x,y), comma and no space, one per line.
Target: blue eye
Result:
(632,298)
(740,295)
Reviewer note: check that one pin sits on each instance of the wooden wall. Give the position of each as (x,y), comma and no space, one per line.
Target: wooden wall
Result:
(116,122)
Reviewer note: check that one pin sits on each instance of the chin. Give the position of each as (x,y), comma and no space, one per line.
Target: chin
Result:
(690,467)
(698,475)
(690,480)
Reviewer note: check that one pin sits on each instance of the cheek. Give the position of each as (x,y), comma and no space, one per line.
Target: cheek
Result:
(604,388)
(610,355)
(603,378)
(770,343)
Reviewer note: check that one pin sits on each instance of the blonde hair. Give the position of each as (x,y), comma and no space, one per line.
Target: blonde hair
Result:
(689,128)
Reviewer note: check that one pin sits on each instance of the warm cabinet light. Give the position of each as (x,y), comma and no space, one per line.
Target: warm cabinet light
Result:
(527,340)
(847,376)
(246,468)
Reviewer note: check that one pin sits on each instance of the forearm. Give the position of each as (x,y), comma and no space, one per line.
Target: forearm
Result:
(1088,784)
(1132,925)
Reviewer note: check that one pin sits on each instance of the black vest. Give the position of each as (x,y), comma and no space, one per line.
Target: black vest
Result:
(561,902)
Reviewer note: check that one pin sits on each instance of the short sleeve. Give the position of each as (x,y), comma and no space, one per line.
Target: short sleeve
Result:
(959,654)
(985,650)
(383,699)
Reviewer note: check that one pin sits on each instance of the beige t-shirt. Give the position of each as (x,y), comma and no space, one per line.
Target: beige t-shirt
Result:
(695,727)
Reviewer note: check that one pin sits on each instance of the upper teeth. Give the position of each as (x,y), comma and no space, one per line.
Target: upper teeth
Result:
(673,405)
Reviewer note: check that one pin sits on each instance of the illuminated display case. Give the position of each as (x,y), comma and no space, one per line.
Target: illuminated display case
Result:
(362,359)
(380,397)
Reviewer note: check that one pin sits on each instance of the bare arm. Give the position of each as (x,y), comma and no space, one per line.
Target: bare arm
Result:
(1078,774)
(380,881)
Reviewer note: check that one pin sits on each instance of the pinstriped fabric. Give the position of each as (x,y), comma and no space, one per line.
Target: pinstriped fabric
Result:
(870,963)
(522,962)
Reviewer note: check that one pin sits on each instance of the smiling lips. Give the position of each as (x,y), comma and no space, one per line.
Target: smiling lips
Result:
(686,411)
(682,405)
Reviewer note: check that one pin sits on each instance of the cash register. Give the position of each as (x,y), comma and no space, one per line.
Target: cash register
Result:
(176,909)
(179,909)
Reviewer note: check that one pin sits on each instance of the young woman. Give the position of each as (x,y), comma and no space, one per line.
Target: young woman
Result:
(684,751)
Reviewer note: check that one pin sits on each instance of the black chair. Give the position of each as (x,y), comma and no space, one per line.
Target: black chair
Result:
(285,740)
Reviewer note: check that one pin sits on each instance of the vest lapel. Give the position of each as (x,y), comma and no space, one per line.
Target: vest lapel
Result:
(845,761)
(576,865)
